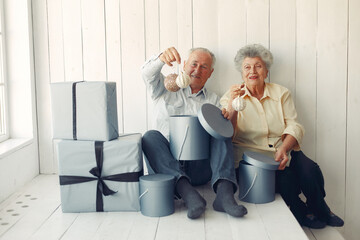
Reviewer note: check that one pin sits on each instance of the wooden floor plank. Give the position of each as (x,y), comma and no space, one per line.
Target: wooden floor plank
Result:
(250,227)
(143,227)
(32,207)
(216,223)
(34,213)
(328,233)
(279,222)
(85,226)
(179,226)
(31,220)
(56,226)
(309,234)
(116,225)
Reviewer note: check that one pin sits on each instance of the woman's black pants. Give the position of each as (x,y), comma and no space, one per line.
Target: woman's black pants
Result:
(303,175)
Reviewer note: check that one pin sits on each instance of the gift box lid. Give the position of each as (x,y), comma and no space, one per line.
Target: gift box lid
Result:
(260,160)
(157,180)
(214,122)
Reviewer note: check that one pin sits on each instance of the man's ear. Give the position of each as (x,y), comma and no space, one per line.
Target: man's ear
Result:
(212,70)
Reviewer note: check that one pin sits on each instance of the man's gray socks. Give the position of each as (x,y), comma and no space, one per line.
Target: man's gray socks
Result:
(225,201)
(193,200)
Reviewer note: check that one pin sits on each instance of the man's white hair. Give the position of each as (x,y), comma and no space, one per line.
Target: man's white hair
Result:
(204,50)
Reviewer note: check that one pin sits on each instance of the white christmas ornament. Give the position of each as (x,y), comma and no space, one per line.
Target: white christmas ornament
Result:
(238,104)
(183,80)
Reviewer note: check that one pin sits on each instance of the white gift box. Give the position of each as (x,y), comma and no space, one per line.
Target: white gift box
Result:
(89,170)
(84,110)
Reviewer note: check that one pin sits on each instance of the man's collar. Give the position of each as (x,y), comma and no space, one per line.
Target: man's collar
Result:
(202,91)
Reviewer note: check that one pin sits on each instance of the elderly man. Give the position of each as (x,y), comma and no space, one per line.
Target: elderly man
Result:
(187,101)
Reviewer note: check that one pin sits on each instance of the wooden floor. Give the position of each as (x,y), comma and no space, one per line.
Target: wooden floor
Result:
(34,212)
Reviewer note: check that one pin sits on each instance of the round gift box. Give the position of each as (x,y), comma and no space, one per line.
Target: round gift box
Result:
(189,135)
(214,123)
(257,178)
(188,139)
(157,195)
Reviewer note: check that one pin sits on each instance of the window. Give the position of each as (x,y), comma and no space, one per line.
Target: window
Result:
(4,134)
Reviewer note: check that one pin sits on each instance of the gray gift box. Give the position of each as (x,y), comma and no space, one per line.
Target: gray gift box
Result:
(257,178)
(190,135)
(121,168)
(84,110)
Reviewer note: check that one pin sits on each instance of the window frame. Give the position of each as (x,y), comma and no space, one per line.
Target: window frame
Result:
(4,106)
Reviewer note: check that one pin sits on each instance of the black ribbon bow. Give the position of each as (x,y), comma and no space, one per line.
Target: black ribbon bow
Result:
(102,188)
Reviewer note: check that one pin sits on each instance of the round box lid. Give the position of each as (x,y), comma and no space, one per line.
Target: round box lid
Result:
(157,180)
(214,122)
(260,160)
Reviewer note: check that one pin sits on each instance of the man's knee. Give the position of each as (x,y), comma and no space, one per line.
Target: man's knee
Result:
(151,134)
(151,137)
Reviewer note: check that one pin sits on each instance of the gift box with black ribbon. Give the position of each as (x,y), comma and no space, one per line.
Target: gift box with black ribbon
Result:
(84,110)
(100,176)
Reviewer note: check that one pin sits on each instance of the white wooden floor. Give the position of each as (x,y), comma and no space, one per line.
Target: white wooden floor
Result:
(34,212)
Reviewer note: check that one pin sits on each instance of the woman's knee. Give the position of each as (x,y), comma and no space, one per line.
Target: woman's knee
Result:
(301,163)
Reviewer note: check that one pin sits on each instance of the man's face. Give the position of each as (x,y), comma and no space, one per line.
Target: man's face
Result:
(198,67)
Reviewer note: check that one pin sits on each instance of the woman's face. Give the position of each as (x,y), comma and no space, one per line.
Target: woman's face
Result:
(254,71)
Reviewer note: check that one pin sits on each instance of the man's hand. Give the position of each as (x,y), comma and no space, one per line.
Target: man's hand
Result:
(282,157)
(170,55)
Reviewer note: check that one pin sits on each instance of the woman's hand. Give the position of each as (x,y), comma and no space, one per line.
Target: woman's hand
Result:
(282,157)
(236,91)
(288,143)
(228,114)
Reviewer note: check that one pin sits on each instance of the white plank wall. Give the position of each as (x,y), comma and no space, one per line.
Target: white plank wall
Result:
(72,35)
(282,42)
(352,208)
(133,56)
(315,45)
(42,77)
(113,52)
(152,44)
(231,36)
(331,98)
(305,74)
(257,21)
(93,33)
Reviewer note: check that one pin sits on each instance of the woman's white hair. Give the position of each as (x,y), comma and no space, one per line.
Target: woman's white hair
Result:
(251,51)
(213,58)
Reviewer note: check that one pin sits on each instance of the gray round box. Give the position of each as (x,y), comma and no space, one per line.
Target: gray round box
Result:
(188,139)
(157,195)
(189,135)
(214,122)
(257,178)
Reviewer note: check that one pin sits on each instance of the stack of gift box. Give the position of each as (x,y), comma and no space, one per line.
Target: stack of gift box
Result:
(98,169)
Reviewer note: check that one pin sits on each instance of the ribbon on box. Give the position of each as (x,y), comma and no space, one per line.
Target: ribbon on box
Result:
(74,108)
(102,188)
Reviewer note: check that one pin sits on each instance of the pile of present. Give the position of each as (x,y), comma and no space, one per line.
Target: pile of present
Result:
(98,169)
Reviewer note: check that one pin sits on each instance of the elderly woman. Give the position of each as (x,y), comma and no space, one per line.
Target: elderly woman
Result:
(268,125)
